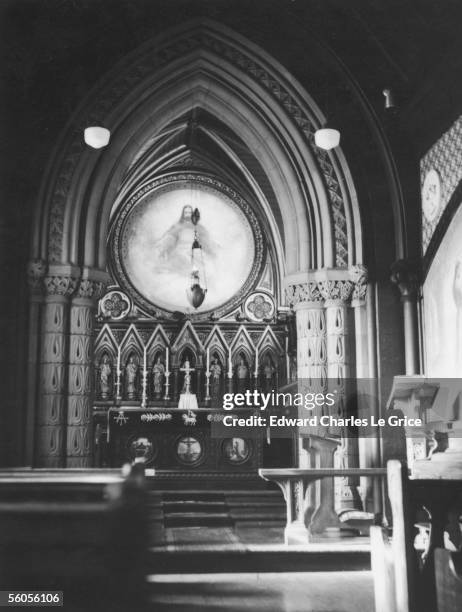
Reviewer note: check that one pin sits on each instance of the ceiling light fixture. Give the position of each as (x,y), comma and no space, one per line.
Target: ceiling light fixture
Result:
(327,138)
(389,99)
(97,137)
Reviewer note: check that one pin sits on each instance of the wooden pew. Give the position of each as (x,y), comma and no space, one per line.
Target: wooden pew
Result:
(400,569)
(79,532)
(448,571)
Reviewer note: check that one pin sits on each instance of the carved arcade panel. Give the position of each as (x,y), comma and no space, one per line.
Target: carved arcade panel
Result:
(143,363)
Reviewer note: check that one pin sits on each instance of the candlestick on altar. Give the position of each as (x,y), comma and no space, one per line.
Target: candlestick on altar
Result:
(118,375)
(207,375)
(145,381)
(207,387)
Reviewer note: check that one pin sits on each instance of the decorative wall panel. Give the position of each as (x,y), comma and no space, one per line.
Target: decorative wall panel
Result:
(440,173)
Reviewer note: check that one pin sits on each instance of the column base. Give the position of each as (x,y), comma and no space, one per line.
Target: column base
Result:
(79,462)
(296,533)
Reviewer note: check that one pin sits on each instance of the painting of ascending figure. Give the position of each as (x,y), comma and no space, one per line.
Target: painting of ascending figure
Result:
(173,249)
(157,240)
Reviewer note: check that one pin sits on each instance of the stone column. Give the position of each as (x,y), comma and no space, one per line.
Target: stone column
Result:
(36,270)
(337,294)
(80,381)
(405,275)
(60,284)
(311,353)
(367,446)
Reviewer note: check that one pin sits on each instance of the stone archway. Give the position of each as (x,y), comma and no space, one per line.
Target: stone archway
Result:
(306,196)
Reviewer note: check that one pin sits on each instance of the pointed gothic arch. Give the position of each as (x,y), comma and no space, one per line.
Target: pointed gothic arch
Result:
(256,125)
(306,195)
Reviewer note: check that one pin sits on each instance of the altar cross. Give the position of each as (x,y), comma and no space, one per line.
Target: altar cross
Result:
(187,376)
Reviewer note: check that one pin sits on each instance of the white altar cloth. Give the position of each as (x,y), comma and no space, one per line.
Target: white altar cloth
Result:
(188,401)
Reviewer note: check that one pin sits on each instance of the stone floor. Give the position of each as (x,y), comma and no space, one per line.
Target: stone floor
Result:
(264,592)
(225,552)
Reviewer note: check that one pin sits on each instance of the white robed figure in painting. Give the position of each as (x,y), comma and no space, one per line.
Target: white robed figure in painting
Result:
(174,246)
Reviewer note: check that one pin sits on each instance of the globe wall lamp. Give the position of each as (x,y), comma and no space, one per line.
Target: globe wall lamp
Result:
(97,137)
(327,138)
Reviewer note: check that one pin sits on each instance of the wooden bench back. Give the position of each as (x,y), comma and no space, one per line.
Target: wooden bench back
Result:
(448,571)
(399,568)
(81,534)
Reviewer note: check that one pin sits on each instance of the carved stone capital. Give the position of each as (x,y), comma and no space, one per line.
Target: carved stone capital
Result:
(90,289)
(359,294)
(60,285)
(405,275)
(359,276)
(36,270)
(359,273)
(303,292)
(338,291)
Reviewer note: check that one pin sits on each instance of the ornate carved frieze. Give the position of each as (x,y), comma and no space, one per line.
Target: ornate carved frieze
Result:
(304,292)
(60,285)
(336,290)
(90,289)
(329,290)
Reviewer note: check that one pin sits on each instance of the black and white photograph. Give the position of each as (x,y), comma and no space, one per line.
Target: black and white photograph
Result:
(231,306)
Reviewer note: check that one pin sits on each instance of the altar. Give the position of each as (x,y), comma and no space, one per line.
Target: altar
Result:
(177,440)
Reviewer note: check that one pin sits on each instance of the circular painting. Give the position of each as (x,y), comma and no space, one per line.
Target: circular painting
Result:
(236,450)
(188,450)
(140,447)
(155,239)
